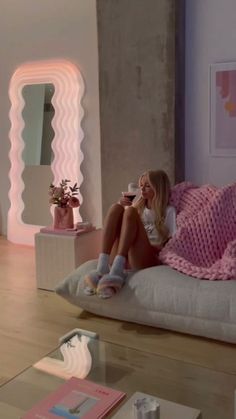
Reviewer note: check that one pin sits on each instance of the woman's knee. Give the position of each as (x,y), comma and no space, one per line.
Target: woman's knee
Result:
(116,209)
(131,213)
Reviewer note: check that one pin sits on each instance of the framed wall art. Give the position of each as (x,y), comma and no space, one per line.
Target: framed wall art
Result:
(223,109)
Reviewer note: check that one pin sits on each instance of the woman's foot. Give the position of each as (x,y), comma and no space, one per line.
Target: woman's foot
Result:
(107,292)
(91,281)
(109,285)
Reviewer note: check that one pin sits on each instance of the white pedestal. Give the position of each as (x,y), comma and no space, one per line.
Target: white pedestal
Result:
(58,255)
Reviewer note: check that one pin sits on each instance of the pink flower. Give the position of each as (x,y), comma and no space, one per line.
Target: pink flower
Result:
(73,202)
(63,195)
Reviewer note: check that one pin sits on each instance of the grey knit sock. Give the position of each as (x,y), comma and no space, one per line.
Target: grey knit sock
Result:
(118,266)
(103,263)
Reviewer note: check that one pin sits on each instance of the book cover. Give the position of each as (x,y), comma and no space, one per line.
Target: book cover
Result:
(76,399)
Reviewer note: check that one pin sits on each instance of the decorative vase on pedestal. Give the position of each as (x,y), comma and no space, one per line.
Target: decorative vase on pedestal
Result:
(63,217)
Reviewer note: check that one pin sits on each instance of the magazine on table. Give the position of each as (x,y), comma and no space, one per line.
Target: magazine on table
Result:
(76,399)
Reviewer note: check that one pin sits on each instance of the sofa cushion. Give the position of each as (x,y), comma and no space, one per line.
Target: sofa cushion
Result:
(162,297)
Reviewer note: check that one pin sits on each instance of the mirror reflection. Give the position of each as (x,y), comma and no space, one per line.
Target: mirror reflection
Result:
(37,154)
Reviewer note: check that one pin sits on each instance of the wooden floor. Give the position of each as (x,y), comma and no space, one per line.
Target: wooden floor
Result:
(32,320)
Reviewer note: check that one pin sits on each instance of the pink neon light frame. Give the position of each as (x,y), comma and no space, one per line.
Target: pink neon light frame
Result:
(69,90)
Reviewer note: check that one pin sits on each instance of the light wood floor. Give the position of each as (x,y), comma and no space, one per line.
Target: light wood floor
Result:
(32,320)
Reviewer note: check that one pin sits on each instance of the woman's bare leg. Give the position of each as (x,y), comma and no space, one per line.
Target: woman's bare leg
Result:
(134,242)
(114,250)
(112,227)
(111,234)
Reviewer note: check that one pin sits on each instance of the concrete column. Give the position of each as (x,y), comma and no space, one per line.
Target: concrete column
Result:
(136,41)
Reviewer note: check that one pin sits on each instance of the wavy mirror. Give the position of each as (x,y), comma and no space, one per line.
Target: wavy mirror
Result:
(37,154)
(45,138)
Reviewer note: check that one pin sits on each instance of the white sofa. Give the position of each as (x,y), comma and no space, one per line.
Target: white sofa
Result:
(162,297)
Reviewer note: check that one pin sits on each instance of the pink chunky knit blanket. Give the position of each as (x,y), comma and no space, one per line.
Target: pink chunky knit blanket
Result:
(204,245)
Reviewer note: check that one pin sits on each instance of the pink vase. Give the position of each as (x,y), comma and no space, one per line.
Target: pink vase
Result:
(63,217)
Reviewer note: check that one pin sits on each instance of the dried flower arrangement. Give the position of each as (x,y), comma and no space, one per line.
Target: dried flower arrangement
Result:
(64,195)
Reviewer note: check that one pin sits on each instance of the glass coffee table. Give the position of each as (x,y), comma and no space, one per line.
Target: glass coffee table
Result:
(83,354)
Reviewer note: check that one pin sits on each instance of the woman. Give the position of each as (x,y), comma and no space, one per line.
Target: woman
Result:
(133,234)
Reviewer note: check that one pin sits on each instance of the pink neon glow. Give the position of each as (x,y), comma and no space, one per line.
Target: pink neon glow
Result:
(69,89)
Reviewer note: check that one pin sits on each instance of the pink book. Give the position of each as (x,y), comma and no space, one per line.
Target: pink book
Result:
(76,399)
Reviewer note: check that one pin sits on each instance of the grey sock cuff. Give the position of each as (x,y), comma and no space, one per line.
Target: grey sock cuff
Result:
(103,263)
(118,265)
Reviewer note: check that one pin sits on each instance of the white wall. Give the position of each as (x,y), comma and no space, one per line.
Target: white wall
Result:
(210,38)
(37,30)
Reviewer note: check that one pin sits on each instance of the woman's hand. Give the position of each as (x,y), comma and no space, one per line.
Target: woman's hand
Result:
(125,202)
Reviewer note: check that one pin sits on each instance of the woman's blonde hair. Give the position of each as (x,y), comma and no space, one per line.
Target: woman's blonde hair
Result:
(160,183)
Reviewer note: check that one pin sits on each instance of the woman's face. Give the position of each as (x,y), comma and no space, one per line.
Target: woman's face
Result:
(146,190)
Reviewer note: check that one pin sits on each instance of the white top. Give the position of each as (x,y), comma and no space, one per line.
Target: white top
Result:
(148,219)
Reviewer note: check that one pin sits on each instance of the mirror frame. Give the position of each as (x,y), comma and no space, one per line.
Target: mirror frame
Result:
(68,134)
